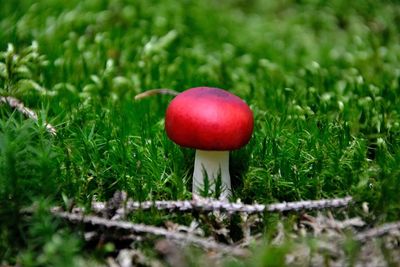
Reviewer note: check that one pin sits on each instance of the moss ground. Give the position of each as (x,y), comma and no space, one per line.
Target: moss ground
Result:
(322,78)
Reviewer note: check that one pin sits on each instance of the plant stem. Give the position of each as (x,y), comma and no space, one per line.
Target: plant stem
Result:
(212,165)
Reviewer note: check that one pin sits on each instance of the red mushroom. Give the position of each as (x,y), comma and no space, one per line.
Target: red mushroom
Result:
(212,121)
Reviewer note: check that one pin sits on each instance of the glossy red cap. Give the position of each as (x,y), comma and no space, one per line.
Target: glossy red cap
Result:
(209,119)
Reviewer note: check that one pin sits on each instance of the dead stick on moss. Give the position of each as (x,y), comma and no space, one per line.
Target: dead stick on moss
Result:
(19,106)
(378,231)
(162,91)
(208,205)
(146,229)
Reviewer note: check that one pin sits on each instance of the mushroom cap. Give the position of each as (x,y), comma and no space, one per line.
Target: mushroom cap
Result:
(209,119)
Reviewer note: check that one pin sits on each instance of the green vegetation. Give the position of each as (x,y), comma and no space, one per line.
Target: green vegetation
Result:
(322,78)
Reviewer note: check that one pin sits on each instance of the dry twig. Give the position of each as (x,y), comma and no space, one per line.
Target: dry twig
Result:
(146,229)
(209,205)
(322,223)
(19,106)
(379,231)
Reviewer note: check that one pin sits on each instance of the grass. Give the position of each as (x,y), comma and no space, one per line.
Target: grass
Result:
(322,79)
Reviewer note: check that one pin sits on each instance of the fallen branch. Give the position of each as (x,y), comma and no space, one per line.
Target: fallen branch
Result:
(208,205)
(379,231)
(146,229)
(19,106)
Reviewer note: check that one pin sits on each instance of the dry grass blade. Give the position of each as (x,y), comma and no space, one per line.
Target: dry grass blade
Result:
(162,91)
(19,106)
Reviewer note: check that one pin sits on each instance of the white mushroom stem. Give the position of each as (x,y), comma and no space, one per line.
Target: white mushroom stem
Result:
(214,163)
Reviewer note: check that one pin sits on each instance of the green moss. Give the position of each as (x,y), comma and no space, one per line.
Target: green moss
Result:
(322,78)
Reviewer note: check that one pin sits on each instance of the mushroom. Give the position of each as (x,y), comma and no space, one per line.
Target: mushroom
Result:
(213,121)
